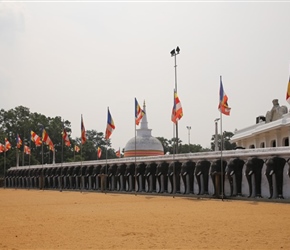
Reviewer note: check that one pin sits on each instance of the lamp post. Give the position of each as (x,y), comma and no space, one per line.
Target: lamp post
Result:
(174,53)
(188,128)
(216,147)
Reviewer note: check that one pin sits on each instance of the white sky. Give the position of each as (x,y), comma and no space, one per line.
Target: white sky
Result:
(67,59)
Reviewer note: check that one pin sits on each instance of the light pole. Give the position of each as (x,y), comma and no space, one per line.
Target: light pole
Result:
(174,53)
(188,128)
(216,147)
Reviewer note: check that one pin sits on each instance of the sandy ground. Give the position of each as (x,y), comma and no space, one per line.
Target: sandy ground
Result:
(35,219)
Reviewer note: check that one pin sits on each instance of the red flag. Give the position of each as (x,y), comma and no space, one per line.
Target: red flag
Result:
(77,149)
(27,150)
(139,113)
(223,105)
(118,153)
(47,140)
(83,131)
(35,138)
(18,141)
(7,145)
(110,126)
(99,152)
(65,138)
(2,148)
(177,111)
(288,92)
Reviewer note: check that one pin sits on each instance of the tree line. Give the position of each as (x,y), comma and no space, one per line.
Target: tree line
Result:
(21,121)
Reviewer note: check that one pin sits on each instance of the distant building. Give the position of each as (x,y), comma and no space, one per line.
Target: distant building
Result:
(146,144)
(272,130)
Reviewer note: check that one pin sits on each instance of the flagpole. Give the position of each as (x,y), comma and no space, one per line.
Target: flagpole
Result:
(60,186)
(135,148)
(173,151)
(81,151)
(222,145)
(5,166)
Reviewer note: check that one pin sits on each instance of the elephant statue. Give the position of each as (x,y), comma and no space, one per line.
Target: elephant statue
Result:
(202,169)
(95,177)
(76,176)
(186,174)
(140,180)
(254,167)
(235,168)
(65,180)
(275,165)
(120,177)
(82,175)
(174,177)
(161,177)
(47,173)
(217,173)
(150,177)
(112,169)
(129,177)
(71,180)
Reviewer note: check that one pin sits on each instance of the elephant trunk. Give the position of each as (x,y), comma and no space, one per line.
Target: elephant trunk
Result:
(230,177)
(248,176)
(270,181)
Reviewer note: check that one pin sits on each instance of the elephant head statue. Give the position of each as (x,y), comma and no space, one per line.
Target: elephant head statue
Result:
(275,165)
(186,173)
(174,176)
(235,168)
(112,169)
(161,177)
(217,173)
(254,167)
(202,169)
(150,177)
(120,177)
(129,175)
(140,180)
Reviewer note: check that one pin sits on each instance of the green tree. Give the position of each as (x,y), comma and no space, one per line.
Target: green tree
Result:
(227,145)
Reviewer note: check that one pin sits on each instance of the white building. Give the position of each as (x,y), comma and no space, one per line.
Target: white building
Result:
(273,130)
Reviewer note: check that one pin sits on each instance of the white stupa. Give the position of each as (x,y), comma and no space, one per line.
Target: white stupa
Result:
(146,144)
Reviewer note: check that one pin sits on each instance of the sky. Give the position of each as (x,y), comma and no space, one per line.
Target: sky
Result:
(71,58)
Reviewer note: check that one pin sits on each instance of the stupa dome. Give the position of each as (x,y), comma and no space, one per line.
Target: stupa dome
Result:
(146,144)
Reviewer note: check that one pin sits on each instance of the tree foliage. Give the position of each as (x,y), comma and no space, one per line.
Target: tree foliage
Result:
(227,145)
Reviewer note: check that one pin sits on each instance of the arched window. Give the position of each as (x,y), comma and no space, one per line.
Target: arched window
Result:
(252,146)
(285,141)
(273,143)
(262,145)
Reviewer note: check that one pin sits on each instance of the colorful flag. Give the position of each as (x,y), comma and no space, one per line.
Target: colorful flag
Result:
(118,153)
(65,138)
(288,92)
(77,149)
(27,150)
(18,141)
(47,140)
(223,105)
(139,113)
(110,126)
(99,152)
(177,112)
(2,148)
(35,138)
(7,145)
(83,136)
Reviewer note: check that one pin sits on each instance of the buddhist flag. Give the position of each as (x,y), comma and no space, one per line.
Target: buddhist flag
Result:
(288,92)
(139,113)
(77,149)
(7,145)
(2,148)
(83,131)
(18,141)
(110,126)
(35,138)
(118,153)
(47,140)
(177,112)
(99,152)
(223,104)
(65,138)
(27,150)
